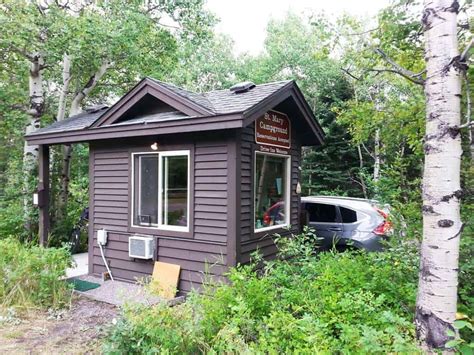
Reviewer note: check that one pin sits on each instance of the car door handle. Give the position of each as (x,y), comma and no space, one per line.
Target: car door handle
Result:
(335,229)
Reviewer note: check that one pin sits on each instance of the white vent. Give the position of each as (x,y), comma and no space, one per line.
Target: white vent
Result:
(140,247)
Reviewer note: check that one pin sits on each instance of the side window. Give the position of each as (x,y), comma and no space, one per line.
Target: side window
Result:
(319,212)
(161,190)
(348,215)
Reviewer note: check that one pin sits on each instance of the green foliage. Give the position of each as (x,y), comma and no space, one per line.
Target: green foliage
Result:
(330,302)
(300,48)
(466,256)
(78,194)
(208,66)
(140,331)
(463,340)
(136,38)
(30,276)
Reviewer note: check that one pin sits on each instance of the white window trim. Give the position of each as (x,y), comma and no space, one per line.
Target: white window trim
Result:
(287,192)
(160,225)
(172,153)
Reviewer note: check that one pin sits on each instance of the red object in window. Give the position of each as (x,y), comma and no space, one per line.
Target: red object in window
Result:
(384,227)
(272,214)
(267,219)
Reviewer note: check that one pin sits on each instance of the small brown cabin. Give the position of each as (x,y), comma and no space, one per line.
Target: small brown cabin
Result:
(208,178)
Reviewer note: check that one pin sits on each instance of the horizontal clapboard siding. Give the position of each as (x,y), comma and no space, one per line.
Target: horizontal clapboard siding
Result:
(111,190)
(210,191)
(198,261)
(246,177)
(249,242)
(202,255)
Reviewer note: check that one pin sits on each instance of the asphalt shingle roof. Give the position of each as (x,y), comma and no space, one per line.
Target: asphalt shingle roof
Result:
(226,101)
(77,122)
(193,96)
(217,102)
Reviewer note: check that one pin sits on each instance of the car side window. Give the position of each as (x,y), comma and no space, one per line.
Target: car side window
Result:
(348,215)
(319,212)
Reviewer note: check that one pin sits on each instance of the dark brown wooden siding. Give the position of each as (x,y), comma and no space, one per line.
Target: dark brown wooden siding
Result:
(205,249)
(200,252)
(251,241)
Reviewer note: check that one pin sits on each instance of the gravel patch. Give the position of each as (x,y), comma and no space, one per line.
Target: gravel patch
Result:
(119,293)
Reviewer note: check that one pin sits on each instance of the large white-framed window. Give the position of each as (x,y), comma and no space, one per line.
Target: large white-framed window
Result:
(161,190)
(272,192)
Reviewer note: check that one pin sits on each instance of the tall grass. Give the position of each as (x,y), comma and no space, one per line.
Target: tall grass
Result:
(32,276)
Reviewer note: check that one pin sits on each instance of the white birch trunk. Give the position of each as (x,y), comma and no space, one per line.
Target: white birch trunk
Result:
(361,176)
(437,289)
(75,109)
(65,88)
(61,211)
(76,104)
(377,156)
(30,152)
(377,144)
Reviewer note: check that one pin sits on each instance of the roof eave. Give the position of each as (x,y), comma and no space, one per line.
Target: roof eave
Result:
(192,124)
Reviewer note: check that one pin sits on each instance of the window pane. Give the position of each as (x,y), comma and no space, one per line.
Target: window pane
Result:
(146,190)
(175,190)
(321,213)
(270,190)
(348,215)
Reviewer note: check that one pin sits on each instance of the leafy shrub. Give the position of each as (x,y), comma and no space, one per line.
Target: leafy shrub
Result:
(463,340)
(330,302)
(30,276)
(466,256)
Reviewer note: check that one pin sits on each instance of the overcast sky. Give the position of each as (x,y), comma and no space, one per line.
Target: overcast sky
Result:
(245,20)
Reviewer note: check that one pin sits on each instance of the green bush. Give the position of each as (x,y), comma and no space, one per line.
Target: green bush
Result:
(466,256)
(331,302)
(30,276)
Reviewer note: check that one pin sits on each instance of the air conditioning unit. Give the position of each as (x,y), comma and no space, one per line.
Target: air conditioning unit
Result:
(141,247)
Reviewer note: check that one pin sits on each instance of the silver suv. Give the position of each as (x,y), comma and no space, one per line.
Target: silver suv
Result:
(347,221)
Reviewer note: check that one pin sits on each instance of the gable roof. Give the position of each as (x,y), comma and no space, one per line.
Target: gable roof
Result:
(225,101)
(218,109)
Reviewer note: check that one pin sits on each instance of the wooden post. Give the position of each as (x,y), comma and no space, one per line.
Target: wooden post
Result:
(43,194)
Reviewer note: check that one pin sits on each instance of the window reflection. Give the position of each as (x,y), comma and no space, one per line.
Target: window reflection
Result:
(175,190)
(270,190)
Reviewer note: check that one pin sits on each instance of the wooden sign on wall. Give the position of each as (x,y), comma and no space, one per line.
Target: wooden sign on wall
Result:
(273,129)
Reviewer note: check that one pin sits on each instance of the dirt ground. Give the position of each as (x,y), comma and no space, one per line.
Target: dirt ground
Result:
(78,330)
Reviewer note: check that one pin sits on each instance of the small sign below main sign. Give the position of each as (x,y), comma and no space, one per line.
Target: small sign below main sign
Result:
(273,129)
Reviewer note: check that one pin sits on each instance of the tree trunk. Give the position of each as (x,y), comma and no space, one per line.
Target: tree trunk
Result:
(377,156)
(76,105)
(61,208)
(438,279)
(65,88)
(76,108)
(378,92)
(361,176)
(30,153)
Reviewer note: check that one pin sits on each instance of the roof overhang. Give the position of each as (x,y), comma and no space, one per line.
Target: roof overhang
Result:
(184,125)
(103,128)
